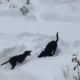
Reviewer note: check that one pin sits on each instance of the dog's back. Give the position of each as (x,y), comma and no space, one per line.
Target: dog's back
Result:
(50,48)
(21,58)
(17,59)
(52,45)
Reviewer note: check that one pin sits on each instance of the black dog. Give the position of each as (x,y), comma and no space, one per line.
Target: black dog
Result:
(17,59)
(50,48)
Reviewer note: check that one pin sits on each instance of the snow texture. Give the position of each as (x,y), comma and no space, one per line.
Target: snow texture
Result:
(33,31)
(48,68)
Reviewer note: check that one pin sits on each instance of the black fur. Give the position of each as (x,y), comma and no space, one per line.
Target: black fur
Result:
(17,59)
(50,48)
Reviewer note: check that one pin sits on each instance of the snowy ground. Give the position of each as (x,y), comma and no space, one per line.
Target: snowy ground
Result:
(50,10)
(33,68)
(33,31)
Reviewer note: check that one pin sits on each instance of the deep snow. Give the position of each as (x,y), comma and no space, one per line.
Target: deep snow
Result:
(49,68)
(33,31)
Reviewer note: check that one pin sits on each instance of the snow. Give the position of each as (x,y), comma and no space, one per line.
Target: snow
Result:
(51,10)
(65,29)
(33,31)
(48,68)
(59,10)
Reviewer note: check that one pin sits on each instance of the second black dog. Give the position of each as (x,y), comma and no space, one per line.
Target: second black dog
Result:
(50,48)
(17,59)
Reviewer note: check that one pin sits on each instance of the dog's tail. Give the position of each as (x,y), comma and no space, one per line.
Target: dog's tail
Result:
(57,37)
(4,62)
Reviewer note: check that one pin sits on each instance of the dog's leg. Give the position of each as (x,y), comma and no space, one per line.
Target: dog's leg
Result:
(54,51)
(13,65)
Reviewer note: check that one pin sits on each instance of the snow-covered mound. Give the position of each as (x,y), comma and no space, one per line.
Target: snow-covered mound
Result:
(55,10)
(62,10)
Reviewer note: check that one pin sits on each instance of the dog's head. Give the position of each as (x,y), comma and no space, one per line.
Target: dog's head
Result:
(27,52)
